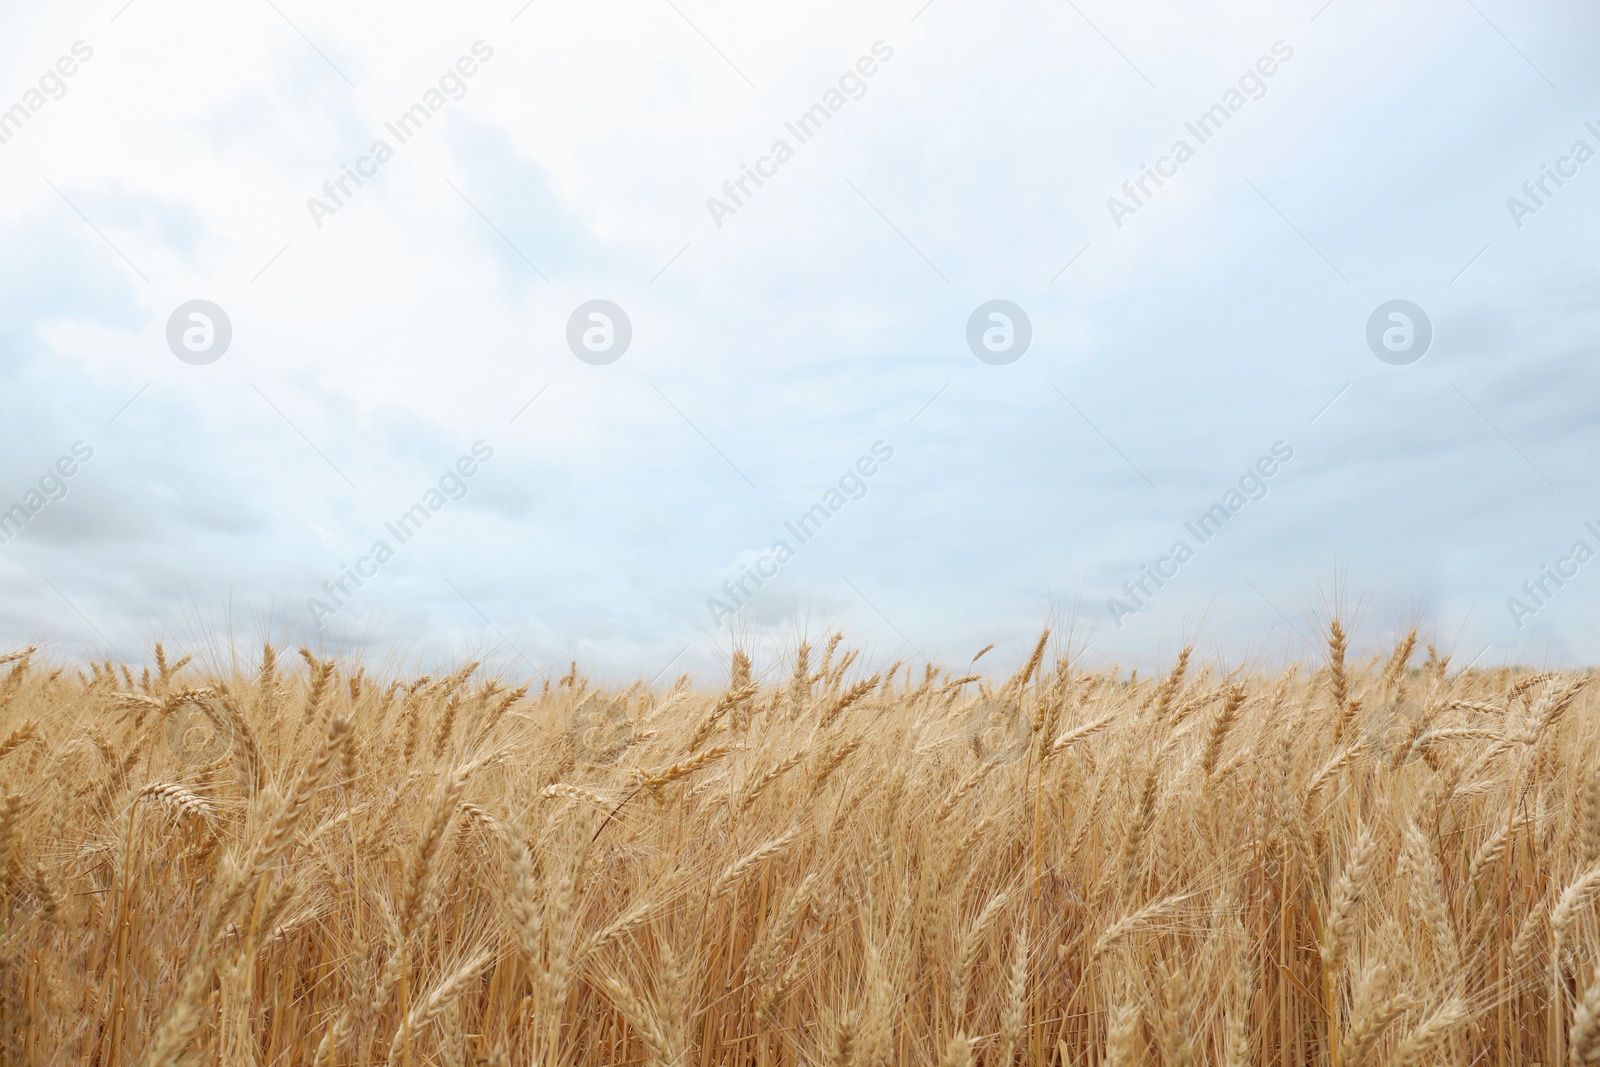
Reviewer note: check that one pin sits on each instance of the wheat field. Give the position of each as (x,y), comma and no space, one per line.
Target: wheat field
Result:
(1351,863)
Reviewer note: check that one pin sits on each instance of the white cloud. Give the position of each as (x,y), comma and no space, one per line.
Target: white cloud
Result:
(823,315)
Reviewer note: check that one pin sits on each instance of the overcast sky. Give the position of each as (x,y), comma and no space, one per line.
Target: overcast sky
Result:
(1189,332)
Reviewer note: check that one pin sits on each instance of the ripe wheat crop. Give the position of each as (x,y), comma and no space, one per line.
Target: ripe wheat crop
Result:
(1383,862)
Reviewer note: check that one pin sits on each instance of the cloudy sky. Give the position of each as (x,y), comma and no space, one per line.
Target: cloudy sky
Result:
(1187,332)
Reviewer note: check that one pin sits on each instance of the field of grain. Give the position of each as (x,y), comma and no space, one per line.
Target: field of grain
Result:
(1352,863)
